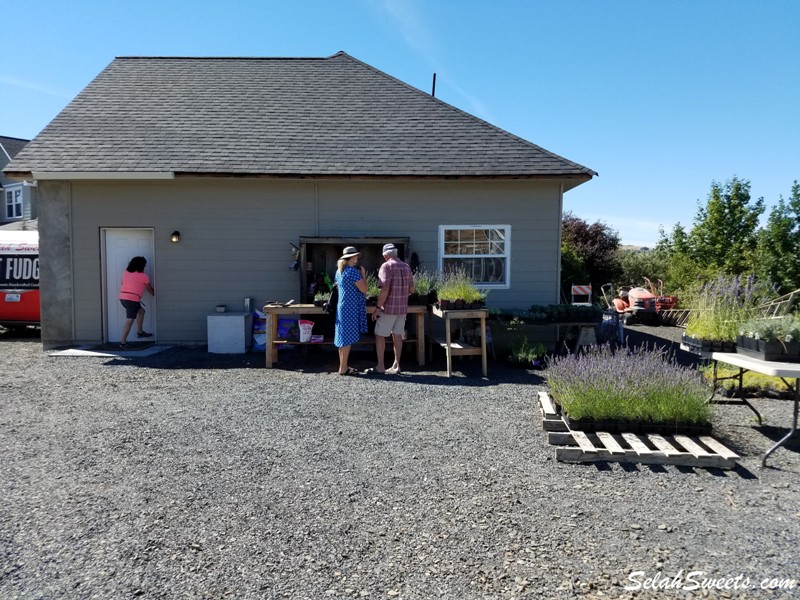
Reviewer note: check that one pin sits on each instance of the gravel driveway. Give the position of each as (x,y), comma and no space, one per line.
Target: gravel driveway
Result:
(189,475)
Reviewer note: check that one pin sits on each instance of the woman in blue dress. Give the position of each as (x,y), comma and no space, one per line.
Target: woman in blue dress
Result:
(351,311)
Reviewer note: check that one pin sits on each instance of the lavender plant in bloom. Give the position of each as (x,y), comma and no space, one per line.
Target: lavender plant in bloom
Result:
(639,384)
(721,305)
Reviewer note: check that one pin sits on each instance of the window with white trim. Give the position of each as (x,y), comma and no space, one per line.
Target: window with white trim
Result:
(482,250)
(13,202)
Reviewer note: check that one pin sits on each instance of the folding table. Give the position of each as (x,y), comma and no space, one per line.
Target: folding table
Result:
(784,370)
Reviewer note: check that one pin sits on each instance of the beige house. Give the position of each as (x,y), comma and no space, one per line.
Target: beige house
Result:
(245,158)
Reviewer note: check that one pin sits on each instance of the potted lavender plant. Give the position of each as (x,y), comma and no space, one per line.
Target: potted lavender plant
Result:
(424,284)
(633,391)
(718,308)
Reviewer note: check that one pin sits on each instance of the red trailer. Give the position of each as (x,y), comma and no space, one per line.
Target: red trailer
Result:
(19,278)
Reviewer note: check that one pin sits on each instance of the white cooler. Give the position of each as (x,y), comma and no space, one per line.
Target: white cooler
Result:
(229,332)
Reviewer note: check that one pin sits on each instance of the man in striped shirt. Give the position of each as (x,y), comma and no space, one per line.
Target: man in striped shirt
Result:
(394,279)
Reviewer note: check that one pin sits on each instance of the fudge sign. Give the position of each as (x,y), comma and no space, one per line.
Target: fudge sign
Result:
(19,272)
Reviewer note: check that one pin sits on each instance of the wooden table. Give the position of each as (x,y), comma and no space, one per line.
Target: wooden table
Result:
(783,370)
(461,348)
(274,310)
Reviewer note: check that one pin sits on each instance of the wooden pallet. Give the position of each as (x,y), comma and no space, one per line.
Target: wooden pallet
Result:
(648,448)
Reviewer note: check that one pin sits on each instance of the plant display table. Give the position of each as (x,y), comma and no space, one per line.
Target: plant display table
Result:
(274,310)
(460,348)
(785,371)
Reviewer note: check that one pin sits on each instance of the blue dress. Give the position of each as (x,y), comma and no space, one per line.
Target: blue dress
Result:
(351,311)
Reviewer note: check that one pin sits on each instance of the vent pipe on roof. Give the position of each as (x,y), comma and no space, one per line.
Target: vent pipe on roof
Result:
(433,91)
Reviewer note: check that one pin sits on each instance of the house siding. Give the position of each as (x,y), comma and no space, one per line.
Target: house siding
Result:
(235,236)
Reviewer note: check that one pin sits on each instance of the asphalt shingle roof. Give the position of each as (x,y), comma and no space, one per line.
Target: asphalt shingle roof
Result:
(11,146)
(275,116)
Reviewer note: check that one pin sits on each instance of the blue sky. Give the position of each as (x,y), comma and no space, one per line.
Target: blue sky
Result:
(660,98)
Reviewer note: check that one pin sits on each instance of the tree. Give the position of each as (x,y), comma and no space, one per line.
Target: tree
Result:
(676,242)
(724,237)
(779,244)
(635,265)
(573,269)
(595,246)
(682,272)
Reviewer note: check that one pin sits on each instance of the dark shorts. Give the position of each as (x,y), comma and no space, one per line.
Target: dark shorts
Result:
(132,308)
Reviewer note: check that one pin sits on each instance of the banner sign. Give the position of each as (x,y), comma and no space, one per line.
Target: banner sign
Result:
(19,271)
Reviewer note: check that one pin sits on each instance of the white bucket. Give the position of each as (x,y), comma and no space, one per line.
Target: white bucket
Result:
(305,330)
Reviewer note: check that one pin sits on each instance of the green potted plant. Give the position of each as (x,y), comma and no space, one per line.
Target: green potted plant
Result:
(538,314)
(321,298)
(774,338)
(373,291)
(526,355)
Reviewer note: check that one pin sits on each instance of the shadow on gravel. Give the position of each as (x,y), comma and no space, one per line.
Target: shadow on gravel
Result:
(316,362)
(20,334)
(778,433)
(743,472)
(181,357)
(755,447)
(738,471)
(497,375)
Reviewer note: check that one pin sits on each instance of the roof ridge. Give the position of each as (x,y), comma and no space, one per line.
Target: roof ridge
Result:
(225,57)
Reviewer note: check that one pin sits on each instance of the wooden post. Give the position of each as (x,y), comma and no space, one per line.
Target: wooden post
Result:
(483,345)
(420,338)
(271,331)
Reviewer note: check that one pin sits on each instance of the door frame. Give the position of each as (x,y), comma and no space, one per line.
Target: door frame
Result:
(104,275)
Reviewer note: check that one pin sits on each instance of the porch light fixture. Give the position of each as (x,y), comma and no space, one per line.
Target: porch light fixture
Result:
(175,237)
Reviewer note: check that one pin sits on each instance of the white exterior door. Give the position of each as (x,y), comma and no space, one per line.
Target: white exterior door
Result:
(120,246)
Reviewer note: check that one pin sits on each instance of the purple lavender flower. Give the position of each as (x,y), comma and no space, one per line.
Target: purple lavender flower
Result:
(641,383)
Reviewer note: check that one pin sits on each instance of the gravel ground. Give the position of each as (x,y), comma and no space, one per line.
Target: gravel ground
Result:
(188,475)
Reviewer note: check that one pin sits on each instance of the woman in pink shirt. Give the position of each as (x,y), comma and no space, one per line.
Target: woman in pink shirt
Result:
(134,283)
